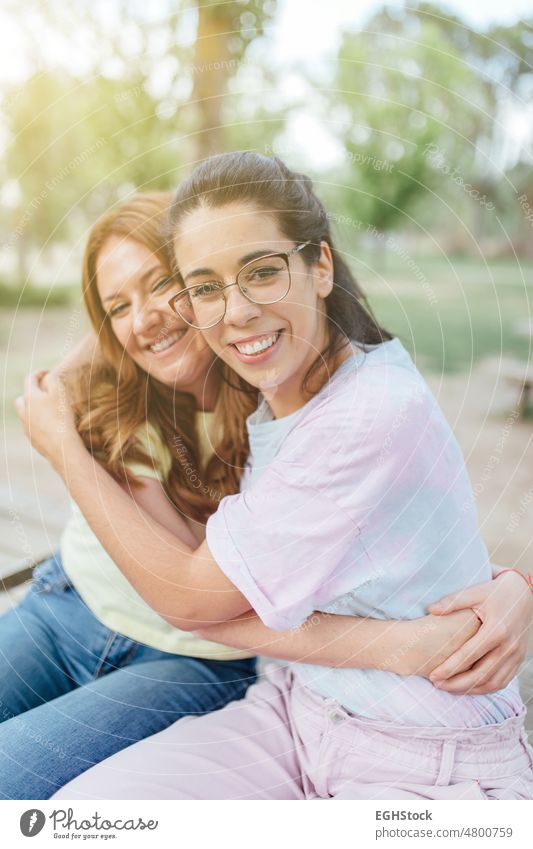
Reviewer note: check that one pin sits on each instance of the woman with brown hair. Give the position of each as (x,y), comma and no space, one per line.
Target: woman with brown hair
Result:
(86,666)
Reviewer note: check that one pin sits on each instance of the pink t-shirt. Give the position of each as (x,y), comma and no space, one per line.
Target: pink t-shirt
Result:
(359,503)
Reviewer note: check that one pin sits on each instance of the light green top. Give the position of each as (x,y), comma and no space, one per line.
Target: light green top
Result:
(106,591)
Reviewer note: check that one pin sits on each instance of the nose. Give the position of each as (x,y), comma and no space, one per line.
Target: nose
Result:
(239,310)
(145,316)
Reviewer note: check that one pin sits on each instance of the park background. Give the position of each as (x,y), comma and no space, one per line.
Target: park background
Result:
(415,122)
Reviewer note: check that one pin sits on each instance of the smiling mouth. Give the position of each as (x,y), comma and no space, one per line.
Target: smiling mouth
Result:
(167,342)
(254,348)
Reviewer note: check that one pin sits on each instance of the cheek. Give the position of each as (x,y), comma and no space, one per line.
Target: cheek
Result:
(210,340)
(123,334)
(200,351)
(197,359)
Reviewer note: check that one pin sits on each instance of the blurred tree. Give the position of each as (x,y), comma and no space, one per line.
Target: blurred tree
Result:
(74,143)
(420,100)
(140,105)
(225,30)
(410,108)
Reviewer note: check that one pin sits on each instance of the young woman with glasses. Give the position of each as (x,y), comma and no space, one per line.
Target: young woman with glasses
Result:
(353,500)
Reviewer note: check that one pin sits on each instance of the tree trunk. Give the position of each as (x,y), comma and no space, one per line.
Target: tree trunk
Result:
(212,64)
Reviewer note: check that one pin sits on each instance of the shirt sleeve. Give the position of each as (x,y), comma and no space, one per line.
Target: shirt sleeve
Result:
(151,443)
(287,542)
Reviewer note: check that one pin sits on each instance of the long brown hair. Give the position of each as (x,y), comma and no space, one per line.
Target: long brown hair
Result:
(113,397)
(267,183)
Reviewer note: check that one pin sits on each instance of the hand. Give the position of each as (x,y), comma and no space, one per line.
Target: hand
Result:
(427,642)
(46,415)
(492,658)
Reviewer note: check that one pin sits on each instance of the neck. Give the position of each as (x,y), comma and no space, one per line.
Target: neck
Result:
(204,392)
(287,399)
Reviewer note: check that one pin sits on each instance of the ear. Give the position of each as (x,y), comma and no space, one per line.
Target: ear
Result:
(323,271)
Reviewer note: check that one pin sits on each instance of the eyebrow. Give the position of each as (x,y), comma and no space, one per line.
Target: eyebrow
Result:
(201,272)
(144,277)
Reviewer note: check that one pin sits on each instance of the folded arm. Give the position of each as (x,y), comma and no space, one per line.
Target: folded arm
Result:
(183,582)
(408,647)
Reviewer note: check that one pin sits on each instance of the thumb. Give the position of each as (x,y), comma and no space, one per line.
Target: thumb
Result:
(471,597)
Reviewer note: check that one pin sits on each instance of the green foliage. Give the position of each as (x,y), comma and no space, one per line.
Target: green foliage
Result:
(410,104)
(73,142)
(78,142)
(414,100)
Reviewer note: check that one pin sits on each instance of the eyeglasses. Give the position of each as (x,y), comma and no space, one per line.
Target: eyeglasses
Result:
(265,280)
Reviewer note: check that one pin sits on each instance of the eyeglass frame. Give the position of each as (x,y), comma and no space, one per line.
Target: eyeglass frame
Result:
(285,254)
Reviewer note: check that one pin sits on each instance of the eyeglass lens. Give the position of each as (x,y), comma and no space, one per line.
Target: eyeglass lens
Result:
(263,281)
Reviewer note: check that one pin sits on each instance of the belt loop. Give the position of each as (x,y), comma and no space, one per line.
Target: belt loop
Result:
(527,747)
(446,764)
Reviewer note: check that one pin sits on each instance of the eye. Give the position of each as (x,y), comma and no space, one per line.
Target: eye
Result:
(264,272)
(117,310)
(162,284)
(211,287)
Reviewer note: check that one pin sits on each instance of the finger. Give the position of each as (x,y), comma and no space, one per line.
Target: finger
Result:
(473,677)
(499,681)
(458,601)
(465,657)
(41,375)
(31,383)
(34,378)
(486,676)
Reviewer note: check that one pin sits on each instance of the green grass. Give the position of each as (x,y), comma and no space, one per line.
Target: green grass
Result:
(455,313)
(37,296)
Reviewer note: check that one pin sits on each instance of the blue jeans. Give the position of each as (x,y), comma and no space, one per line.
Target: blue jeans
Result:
(72,692)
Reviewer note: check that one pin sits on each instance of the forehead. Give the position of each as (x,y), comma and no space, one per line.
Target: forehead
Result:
(212,235)
(121,263)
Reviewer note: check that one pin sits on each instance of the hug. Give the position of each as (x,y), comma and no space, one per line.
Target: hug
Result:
(257,468)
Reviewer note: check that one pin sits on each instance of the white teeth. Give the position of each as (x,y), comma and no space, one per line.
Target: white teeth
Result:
(257,347)
(167,341)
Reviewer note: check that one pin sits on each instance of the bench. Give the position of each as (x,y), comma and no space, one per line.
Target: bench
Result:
(19,576)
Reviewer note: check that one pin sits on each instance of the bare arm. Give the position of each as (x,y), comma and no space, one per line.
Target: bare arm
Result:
(154,506)
(410,647)
(182,582)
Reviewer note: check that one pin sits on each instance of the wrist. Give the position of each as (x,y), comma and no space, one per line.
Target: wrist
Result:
(67,452)
(526,578)
(403,653)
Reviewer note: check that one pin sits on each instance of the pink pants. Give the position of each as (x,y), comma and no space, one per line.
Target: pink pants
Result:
(284,742)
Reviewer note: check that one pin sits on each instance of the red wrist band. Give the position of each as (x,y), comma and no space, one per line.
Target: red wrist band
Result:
(527,578)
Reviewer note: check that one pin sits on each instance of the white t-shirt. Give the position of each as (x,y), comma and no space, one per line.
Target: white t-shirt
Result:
(359,503)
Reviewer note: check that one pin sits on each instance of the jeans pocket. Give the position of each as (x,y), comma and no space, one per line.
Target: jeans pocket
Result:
(49,576)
